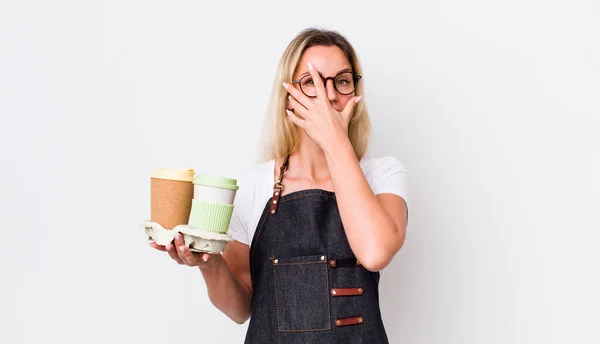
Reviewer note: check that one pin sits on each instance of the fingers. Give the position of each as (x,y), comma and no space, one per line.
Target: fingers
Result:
(184,253)
(187,256)
(297,107)
(296,120)
(158,247)
(191,258)
(172,251)
(300,97)
(321,93)
(180,253)
(349,109)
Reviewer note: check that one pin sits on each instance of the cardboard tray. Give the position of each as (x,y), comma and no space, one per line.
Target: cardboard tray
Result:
(197,240)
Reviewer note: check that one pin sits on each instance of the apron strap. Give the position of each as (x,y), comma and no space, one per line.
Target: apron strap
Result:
(278,187)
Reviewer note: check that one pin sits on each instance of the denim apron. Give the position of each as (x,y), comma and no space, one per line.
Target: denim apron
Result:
(307,285)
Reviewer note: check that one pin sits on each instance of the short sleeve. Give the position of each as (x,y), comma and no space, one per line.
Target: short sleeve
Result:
(238,226)
(250,199)
(388,175)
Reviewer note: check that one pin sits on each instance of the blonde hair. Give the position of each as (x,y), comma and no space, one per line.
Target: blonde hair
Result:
(280,138)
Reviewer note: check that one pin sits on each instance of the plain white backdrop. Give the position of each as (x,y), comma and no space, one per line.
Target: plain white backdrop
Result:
(492,105)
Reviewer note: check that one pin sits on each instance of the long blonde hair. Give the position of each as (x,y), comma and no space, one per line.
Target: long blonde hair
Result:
(280,138)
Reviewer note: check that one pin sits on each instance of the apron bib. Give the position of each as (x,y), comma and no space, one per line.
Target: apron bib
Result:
(307,285)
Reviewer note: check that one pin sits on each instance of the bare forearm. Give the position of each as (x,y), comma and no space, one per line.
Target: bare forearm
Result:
(226,291)
(372,234)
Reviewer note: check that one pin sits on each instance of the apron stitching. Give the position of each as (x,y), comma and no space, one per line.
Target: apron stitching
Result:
(258,234)
(318,329)
(276,300)
(302,263)
(328,297)
(306,195)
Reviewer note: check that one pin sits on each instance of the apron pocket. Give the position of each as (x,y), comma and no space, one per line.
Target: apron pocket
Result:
(302,293)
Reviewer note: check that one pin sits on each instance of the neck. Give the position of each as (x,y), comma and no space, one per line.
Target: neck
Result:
(308,161)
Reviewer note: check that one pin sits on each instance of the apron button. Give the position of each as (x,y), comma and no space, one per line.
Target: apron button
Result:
(360,291)
(323,258)
(275,261)
(338,322)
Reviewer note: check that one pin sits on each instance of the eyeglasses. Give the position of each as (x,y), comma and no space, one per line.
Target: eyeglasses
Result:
(344,82)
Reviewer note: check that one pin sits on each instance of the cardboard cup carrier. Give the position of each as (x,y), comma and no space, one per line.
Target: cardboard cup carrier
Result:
(199,208)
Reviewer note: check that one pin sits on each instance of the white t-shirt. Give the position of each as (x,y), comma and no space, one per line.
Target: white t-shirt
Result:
(384,175)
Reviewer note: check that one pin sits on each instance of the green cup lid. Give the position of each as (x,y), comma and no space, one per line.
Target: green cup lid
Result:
(219,182)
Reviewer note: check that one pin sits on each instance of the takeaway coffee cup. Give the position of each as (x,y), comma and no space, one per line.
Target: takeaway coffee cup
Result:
(172,192)
(212,205)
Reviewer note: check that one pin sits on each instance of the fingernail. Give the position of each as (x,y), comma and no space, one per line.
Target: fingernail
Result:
(288,112)
(310,66)
(358,99)
(286,85)
(168,247)
(177,236)
(204,257)
(290,97)
(182,249)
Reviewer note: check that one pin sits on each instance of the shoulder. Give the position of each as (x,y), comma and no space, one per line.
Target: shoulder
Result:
(386,175)
(256,174)
(253,186)
(375,167)
(254,180)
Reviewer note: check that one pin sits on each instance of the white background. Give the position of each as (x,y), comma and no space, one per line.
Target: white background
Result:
(492,105)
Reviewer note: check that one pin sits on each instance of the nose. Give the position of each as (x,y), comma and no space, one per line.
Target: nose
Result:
(332,94)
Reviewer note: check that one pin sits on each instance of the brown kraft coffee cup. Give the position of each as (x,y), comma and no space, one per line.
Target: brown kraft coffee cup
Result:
(172,192)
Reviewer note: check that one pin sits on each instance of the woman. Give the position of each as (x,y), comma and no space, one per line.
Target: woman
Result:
(306,265)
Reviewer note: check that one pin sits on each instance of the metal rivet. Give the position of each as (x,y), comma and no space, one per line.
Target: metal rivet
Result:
(272,211)
(360,320)
(277,194)
(360,291)
(333,292)
(322,257)
(332,263)
(274,201)
(338,322)
(276,261)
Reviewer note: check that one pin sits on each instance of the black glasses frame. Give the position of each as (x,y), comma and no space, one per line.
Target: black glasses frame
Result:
(355,76)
